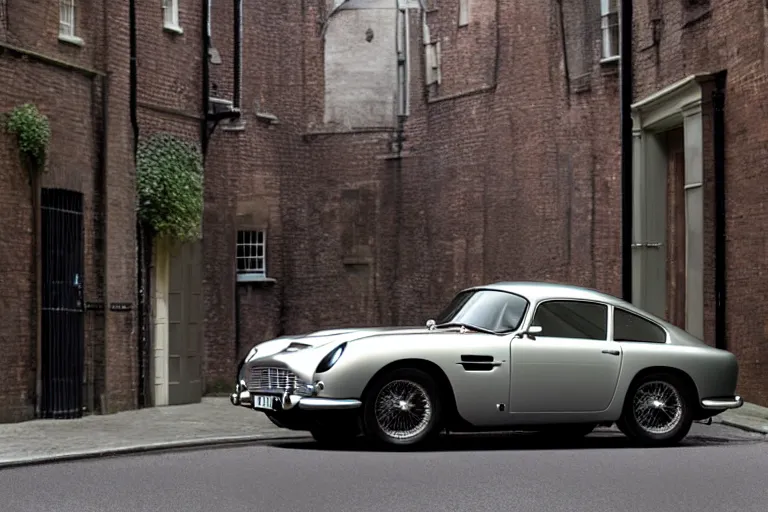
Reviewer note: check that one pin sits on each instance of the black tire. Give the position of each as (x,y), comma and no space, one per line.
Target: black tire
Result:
(419,381)
(678,429)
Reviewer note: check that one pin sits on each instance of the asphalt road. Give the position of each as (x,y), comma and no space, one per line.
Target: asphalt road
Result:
(718,468)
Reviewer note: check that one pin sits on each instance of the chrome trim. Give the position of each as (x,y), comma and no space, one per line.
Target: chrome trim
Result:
(722,403)
(288,400)
(329,403)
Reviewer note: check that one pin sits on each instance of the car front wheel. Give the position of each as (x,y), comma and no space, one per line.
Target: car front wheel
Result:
(657,411)
(402,408)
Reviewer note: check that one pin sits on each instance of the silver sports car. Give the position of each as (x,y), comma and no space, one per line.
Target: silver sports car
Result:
(508,356)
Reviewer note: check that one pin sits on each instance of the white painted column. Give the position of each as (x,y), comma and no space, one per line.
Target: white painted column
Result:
(694,220)
(161,281)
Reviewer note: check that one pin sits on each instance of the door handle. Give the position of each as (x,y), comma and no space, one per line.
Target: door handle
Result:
(612,352)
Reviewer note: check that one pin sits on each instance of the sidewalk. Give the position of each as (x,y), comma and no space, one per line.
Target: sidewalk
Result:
(749,417)
(213,421)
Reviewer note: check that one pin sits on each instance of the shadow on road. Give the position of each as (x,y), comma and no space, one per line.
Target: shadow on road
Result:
(507,441)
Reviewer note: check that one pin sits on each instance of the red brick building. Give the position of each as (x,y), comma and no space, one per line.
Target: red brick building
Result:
(509,169)
(73,65)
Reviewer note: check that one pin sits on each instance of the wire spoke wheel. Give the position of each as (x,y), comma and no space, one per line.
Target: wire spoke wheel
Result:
(403,409)
(657,407)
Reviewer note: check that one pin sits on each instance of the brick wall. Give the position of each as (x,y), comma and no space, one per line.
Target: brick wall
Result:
(71,96)
(706,39)
(511,172)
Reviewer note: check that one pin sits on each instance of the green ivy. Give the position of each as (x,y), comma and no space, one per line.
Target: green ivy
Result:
(169,175)
(33,133)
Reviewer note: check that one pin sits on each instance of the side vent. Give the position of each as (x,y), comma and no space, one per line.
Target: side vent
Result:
(478,363)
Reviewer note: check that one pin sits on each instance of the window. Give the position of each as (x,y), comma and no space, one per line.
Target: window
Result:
(609,24)
(572,319)
(463,13)
(251,255)
(630,327)
(171,14)
(67,18)
(494,310)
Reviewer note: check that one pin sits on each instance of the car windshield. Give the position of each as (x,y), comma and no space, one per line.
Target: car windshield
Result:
(490,310)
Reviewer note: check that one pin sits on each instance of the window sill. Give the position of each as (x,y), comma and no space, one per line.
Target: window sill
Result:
(610,61)
(73,40)
(169,27)
(255,278)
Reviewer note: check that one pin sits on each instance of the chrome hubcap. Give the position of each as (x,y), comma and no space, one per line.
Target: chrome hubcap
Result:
(657,407)
(403,409)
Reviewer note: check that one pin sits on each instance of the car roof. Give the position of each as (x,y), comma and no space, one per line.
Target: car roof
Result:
(538,290)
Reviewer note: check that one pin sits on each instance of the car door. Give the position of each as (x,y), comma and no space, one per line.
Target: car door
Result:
(570,366)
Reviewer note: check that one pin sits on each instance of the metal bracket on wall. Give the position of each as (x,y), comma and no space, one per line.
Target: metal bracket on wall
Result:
(647,244)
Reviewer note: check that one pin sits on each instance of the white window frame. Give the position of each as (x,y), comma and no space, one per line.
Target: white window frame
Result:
(463,13)
(609,30)
(171,16)
(68,22)
(256,266)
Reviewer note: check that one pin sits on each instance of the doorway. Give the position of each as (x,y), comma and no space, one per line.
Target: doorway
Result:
(62,356)
(185,327)
(675,227)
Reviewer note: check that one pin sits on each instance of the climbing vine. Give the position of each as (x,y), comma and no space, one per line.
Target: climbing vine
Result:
(169,173)
(33,133)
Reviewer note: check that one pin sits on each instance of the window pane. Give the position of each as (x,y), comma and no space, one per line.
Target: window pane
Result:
(630,327)
(572,319)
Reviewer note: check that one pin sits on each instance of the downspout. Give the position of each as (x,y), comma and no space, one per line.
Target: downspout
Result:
(236,100)
(141,290)
(718,128)
(133,77)
(104,195)
(626,149)
(238,55)
(206,31)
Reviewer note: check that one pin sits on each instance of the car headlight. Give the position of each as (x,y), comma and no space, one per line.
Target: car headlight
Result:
(328,361)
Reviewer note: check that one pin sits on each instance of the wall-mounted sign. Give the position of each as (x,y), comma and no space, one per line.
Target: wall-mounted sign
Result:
(94,306)
(120,306)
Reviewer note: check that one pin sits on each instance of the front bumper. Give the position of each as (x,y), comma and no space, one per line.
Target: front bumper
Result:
(727,402)
(288,400)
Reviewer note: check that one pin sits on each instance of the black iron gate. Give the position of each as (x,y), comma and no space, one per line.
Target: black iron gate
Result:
(63,337)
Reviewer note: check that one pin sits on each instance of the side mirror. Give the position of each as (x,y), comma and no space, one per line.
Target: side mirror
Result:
(431,324)
(534,329)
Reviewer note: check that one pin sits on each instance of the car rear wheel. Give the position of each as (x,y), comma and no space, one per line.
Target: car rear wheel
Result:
(402,408)
(657,410)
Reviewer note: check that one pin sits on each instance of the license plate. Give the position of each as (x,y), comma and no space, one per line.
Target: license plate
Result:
(263,402)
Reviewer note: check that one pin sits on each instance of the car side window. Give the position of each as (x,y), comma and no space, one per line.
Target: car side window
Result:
(631,327)
(572,319)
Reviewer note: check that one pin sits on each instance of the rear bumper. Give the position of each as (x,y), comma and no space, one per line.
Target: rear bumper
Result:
(724,402)
(288,401)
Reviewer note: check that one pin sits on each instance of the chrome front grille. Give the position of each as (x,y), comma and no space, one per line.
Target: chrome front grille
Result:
(272,378)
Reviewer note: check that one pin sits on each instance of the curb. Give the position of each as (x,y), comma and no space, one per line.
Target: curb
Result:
(742,426)
(211,442)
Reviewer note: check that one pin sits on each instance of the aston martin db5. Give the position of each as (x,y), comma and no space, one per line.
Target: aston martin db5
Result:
(513,356)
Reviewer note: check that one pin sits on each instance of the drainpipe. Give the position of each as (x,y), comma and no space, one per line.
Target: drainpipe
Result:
(238,55)
(718,128)
(236,97)
(206,31)
(141,246)
(626,148)
(133,76)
